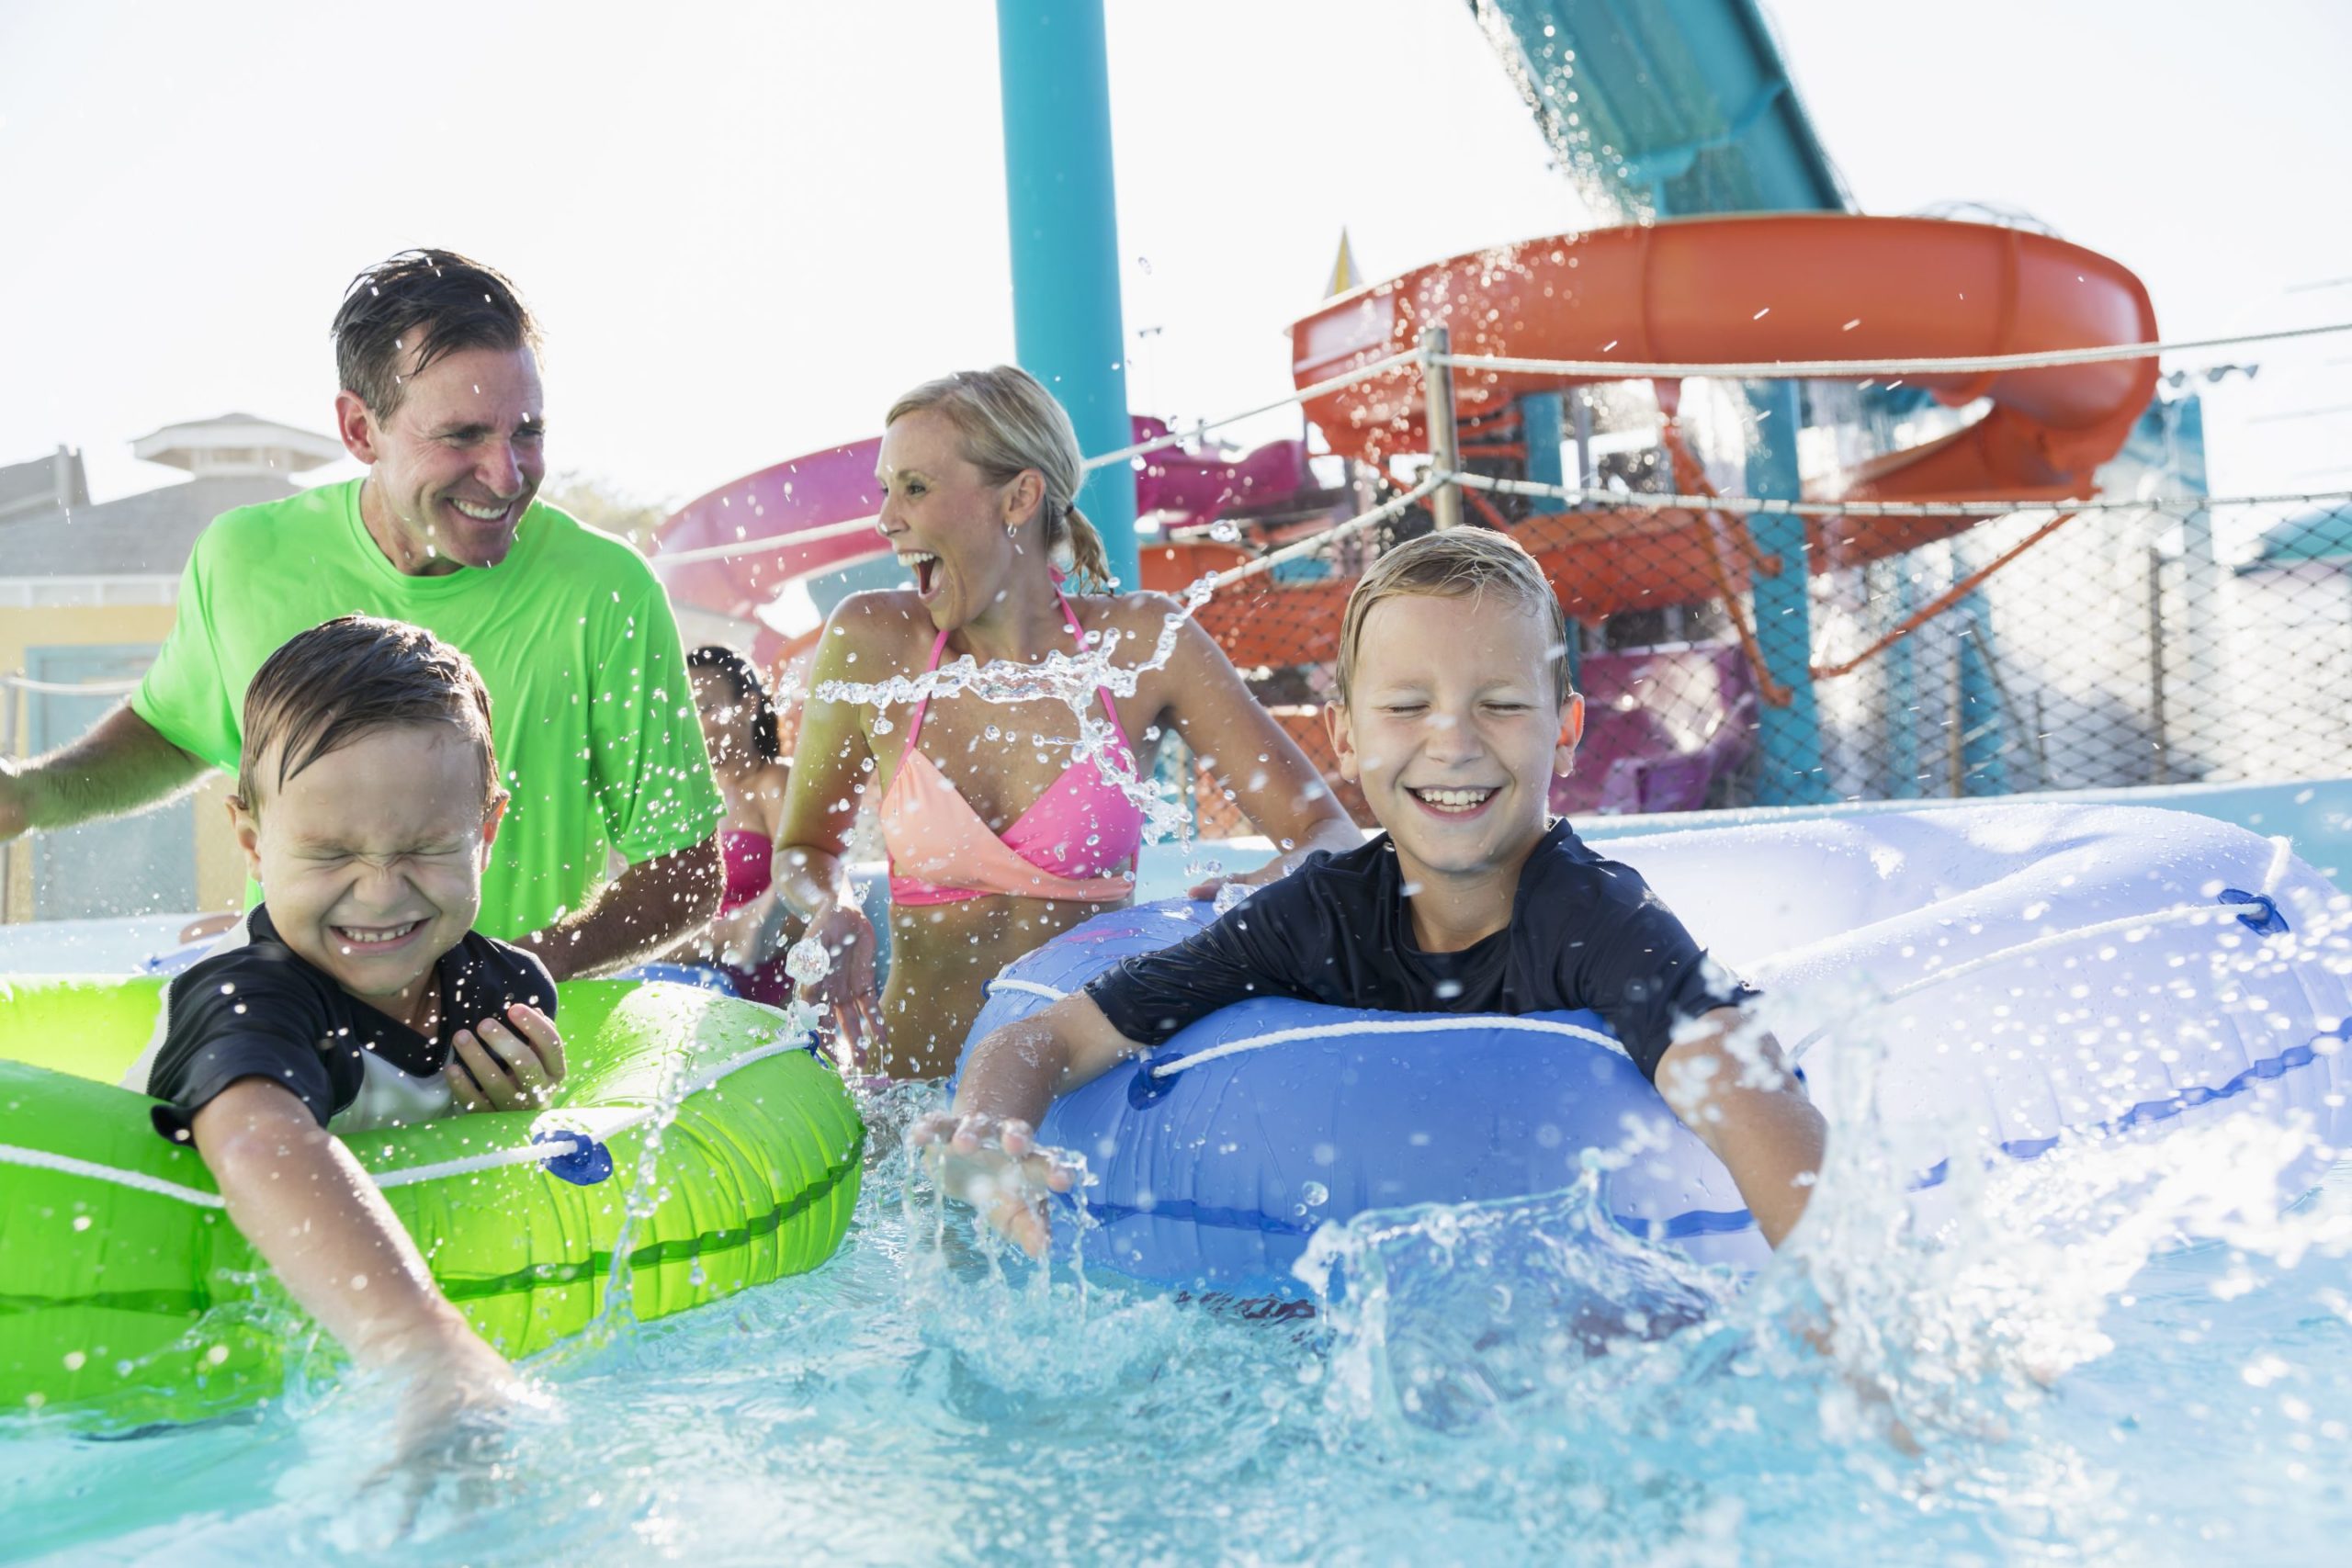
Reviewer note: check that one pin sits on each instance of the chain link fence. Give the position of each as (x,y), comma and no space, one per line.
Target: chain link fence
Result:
(2169,640)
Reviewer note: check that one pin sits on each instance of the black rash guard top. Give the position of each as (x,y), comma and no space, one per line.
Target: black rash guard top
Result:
(259,1010)
(1585,933)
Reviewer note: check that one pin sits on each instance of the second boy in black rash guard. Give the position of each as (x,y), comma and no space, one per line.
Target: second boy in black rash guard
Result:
(1455,715)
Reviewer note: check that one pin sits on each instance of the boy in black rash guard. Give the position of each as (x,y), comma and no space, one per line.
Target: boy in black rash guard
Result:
(357,995)
(1454,713)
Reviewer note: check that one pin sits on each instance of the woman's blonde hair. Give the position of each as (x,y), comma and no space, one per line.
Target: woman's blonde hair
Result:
(1011,423)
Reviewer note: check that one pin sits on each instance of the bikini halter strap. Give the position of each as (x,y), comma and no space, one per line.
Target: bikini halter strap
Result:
(939,646)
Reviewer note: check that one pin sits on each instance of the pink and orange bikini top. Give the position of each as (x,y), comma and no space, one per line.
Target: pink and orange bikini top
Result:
(1065,845)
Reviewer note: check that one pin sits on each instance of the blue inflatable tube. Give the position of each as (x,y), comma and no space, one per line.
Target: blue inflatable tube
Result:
(1210,1170)
(1976,987)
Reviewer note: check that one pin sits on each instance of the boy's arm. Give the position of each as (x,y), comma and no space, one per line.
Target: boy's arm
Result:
(1727,1083)
(984,1151)
(297,1194)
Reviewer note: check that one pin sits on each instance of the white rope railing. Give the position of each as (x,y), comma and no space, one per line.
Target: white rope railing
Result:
(1316,543)
(1303,395)
(751,546)
(1124,454)
(1871,369)
(1756,370)
(69,688)
(1618,500)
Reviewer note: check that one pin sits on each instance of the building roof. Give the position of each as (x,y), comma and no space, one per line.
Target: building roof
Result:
(239,443)
(139,535)
(43,484)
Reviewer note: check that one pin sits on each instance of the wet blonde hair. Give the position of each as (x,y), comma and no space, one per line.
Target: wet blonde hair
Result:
(1011,423)
(1455,563)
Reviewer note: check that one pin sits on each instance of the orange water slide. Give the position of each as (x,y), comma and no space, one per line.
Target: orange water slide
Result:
(1766,289)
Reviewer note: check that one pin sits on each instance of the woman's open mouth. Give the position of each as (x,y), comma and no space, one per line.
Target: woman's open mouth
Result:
(925,566)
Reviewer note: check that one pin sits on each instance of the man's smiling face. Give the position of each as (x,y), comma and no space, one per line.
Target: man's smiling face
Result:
(456,461)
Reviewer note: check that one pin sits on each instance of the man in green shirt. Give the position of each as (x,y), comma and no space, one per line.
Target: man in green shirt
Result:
(593,708)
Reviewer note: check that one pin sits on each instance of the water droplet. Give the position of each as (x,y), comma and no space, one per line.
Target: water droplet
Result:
(808,962)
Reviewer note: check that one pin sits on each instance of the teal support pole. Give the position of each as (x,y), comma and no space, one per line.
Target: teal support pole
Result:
(1061,209)
(1789,770)
(1543,431)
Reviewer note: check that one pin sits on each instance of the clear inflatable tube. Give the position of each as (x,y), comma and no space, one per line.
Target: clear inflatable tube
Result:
(125,1295)
(1981,983)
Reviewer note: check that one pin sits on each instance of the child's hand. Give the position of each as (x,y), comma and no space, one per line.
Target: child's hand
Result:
(999,1169)
(457,1430)
(495,1067)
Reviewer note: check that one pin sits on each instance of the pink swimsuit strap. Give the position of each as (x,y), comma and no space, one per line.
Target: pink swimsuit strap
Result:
(749,859)
(939,646)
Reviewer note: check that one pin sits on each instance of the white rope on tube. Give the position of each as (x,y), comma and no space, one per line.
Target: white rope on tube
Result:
(1027,987)
(568,1141)
(137,1181)
(2193,914)
(1433,1023)
(1353,1027)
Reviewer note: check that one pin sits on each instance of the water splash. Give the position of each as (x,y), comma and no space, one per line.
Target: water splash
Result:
(1070,679)
(808,962)
(1447,1316)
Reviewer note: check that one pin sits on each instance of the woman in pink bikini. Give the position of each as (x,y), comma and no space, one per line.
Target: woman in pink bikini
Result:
(997,838)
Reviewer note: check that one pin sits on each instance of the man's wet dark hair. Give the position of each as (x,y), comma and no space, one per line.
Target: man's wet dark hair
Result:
(338,682)
(749,690)
(428,303)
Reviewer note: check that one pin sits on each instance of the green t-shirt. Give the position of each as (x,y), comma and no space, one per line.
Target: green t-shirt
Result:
(591,705)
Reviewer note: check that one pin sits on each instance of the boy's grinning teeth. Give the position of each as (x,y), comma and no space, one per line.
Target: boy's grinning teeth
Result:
(1452,799)
(480,515)
(375,936)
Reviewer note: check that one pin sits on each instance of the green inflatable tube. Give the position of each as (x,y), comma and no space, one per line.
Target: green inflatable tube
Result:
(128,1297)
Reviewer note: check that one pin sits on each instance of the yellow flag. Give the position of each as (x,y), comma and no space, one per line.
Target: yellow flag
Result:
(1343,270)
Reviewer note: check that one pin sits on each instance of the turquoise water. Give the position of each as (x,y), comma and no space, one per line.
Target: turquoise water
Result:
(1494,1386)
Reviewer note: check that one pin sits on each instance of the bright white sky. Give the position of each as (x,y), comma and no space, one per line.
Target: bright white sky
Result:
(746,228)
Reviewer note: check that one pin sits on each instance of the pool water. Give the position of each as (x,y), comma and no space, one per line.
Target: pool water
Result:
(1496,1383)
